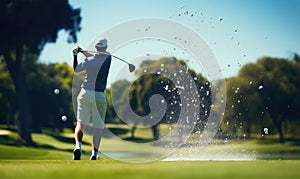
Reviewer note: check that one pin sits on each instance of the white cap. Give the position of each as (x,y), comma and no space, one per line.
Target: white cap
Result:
(102,42)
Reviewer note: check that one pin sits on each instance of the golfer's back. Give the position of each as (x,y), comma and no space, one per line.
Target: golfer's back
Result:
(97,69)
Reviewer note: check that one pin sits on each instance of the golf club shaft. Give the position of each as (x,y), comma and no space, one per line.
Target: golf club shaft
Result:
(106,54)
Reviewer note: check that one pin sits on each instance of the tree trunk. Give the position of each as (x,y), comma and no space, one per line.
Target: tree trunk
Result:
(132,132)
(247,128)
(155,131)
(24,118)
(277,121)
(280,132)
(23,123)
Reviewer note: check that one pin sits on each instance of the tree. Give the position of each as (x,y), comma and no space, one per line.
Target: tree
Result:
(118,97)
(156,83)
(280,94)
(241,115)
(42,80)
(264,91)
(48,107)
(26,26)
(7,95)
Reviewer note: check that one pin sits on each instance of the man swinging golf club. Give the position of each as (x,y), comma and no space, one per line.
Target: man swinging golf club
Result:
(91,101)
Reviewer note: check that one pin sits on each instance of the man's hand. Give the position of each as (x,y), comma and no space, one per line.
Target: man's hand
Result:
(76,50)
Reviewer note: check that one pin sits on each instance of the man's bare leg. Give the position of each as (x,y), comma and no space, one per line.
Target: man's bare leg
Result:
(96,142)
(78,140)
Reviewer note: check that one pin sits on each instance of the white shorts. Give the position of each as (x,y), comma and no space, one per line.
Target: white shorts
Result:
(91,108)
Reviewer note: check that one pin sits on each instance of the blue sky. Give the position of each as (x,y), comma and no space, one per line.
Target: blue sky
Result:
(249,30)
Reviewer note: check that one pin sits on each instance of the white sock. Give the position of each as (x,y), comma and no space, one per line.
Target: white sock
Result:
(78,145)
(94,153)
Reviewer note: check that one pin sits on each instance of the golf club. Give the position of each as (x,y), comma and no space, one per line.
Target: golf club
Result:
(131,66)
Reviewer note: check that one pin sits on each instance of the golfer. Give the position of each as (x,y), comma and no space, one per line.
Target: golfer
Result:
(91,101)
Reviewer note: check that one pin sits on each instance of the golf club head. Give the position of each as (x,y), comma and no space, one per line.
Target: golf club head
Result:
(131,67)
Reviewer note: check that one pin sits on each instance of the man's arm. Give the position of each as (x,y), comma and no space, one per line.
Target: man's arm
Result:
(75,62)
(76,50)
(87,54)
(75,53)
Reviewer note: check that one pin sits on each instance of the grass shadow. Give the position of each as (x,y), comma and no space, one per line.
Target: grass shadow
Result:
(110,132)
(288,141)
(137,139)
(65,139)
(11,141)
(293,142)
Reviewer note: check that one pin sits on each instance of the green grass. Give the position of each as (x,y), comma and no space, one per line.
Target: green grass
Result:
(108,168)
(52,158)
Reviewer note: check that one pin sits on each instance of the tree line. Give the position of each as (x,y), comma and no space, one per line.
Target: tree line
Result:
(263,95)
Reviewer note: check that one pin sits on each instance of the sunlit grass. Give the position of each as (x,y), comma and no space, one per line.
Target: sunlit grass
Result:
(108,168)
(52,158)
(62,145)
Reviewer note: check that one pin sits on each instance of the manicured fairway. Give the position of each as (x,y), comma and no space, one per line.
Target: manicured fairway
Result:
(108,168)
(52,158)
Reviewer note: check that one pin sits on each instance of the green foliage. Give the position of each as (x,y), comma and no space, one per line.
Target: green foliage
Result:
(47,107)
(264,94)
(111,116)
(19,19)
(151,82)
(155,83)
(7,96)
